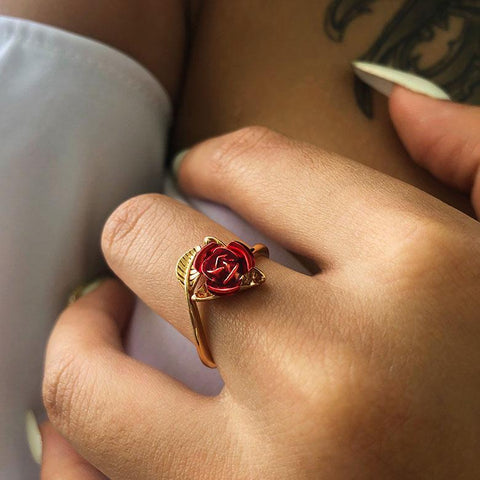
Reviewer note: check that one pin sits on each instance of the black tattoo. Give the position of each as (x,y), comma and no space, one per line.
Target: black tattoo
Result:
(457,72)
(340,13)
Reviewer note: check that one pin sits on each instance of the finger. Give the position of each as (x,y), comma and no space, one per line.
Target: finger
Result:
(142,241)
(114,410)
(317,204)
(441,136)
(60,461)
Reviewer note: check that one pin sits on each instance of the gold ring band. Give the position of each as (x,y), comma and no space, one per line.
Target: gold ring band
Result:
(214,270)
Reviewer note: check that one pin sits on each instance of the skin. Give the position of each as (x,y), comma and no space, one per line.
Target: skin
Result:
(365,370)
(153,33)
(60,461)
(271,63)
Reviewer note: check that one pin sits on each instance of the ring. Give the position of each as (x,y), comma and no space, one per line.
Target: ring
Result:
(214,270)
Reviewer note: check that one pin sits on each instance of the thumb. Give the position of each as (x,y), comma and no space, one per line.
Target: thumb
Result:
(441,136)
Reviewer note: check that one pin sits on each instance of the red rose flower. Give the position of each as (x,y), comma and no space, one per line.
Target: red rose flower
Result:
(224,267)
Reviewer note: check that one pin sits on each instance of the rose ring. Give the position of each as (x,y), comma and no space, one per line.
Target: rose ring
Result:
(215,270)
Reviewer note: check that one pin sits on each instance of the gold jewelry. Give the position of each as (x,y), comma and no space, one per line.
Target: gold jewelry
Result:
(215,270)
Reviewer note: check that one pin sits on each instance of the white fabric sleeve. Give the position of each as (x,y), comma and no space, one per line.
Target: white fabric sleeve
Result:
(82,128)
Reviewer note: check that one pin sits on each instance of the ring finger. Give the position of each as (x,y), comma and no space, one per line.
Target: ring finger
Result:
(142,242)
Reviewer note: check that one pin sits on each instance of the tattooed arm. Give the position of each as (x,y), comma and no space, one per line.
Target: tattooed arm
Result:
(286,65)
(417,22)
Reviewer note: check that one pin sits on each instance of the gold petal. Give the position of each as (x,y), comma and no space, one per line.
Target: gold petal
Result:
(201,294)
(253,278)
(208,240)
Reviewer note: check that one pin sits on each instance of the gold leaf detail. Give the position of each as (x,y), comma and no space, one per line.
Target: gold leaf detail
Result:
(184,265)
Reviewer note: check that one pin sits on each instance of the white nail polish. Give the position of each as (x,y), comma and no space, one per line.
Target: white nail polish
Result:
(34,438)
(383,79)
(83,290)
(177,161)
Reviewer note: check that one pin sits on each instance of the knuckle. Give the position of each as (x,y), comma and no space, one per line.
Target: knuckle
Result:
(127,223)
(61,386)
(420,241)
(317,160)
(245,140)
(239,148)
(426,249)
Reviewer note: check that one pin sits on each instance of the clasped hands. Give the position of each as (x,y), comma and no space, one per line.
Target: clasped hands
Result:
(368,368)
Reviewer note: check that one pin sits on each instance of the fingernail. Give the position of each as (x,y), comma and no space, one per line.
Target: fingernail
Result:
(383,79)
(84,289)
(34,438)
(177,161)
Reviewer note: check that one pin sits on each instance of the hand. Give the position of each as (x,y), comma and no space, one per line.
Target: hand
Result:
(368,369)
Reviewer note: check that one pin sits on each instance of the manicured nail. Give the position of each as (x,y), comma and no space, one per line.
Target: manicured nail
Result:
(84,289)
(177,161)
(34,438)
(383,79)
